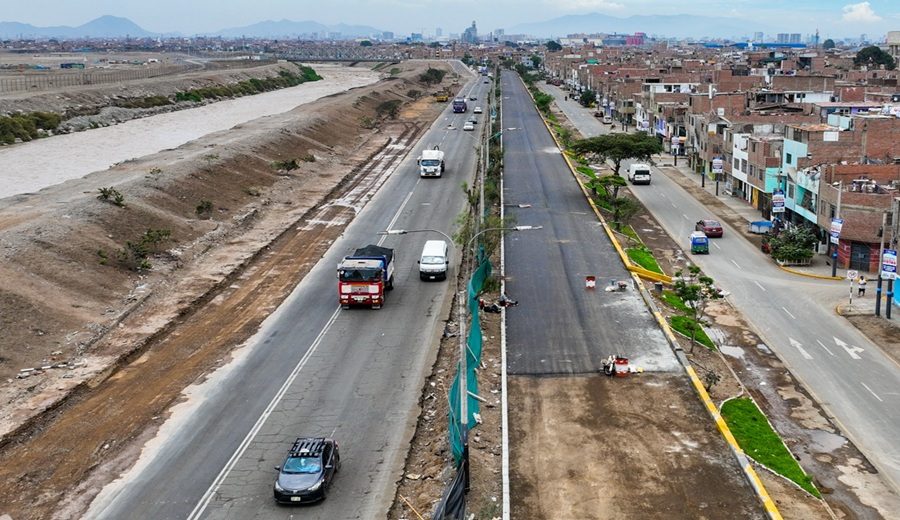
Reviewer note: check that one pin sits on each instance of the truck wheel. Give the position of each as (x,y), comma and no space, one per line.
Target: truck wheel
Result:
(390,284)
(345,307)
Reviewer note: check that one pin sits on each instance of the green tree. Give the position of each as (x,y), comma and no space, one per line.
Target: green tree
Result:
(793,245)
(431,76)
(536,61)
(874,57)
(695,290)
(365,43)
(553,46)
(618,147)
(828,44)
(588,98)
(434,45)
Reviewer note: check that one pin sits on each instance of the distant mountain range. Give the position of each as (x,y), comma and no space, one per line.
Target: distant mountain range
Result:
(103,27)
(116,27)
(677,26)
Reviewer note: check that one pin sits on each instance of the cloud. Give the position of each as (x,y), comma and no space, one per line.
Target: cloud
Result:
(861,12)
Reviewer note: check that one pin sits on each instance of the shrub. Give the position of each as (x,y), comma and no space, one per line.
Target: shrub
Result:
(287,165)
(431,76)
(113,195)
(204,208)
(793,245)
(308,157)
(389,109)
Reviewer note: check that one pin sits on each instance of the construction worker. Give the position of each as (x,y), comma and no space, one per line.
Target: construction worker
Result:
(862,286)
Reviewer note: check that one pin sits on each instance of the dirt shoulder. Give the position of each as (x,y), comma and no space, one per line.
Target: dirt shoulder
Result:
(137,339)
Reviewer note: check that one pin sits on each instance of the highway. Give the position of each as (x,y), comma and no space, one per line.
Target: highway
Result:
(560,327)
(849,376)
(316,370)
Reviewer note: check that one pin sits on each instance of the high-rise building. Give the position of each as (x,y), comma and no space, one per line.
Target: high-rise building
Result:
(387,35)
(438,32)
(783,38)
(470,35)
(757,36)
(795,38)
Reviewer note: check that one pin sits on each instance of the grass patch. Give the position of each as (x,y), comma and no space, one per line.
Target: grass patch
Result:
(674,301)
(759,441)
(644,258)
(586,170)
(684,325)
(630,233)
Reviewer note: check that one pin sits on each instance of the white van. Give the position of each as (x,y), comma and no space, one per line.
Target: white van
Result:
(434,261)
(639,173)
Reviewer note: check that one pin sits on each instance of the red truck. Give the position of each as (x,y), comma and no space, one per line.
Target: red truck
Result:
(364,276)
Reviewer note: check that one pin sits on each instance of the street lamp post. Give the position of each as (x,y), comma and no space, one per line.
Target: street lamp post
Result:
(463,343)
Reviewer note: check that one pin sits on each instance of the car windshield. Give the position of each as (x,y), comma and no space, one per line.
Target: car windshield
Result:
(295,465)
(430,162)
(360,275)
(432,260)
(713,223)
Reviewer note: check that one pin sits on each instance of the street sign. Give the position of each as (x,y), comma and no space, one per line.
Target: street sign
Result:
(889,264)
(836,225)
(778,201)
(852,275)
(718,166)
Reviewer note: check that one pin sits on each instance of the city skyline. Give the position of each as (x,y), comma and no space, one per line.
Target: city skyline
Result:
(832,18)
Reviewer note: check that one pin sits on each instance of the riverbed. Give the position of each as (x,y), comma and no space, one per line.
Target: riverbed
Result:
(32,166)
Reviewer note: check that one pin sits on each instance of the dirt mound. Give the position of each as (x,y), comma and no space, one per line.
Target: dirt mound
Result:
(62,285)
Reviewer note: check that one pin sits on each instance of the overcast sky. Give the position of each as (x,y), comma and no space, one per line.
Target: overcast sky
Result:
(832,17)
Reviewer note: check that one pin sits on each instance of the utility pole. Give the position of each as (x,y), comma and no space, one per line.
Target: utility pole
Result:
(880,257)
(834,247)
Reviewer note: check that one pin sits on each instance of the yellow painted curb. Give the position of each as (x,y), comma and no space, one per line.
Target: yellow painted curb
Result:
(756,483)
(808,275)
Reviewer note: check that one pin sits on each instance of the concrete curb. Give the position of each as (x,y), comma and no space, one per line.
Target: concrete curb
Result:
(746,467)
(808,275)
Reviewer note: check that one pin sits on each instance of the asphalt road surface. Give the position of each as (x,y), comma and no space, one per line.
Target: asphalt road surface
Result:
(849,375)
(560,326)
(313,370)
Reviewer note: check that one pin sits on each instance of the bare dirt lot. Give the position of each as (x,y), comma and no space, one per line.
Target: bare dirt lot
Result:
(600,447)
(137,339)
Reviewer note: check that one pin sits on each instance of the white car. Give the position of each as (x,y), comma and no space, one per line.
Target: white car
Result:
(477,110)
(468,127)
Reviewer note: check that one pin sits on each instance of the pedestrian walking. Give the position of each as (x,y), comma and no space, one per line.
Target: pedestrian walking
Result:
(862,286)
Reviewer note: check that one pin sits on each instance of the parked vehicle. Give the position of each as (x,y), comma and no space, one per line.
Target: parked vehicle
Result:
(639,173)
(699,243)
(709,227)
(431,163)
(364,276)
(308,471)
(442,96)
(434,260)
(459,106)
(607,120)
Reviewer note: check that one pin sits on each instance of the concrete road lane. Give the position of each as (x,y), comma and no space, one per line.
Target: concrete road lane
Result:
(854,381)
(314,370)
(560,327)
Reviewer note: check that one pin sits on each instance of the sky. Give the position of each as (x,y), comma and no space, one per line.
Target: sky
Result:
(834,18)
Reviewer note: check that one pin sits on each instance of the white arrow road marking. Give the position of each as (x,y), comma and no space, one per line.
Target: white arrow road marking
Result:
(757,283)
(789,313)
(853,350)
(823,346)
(871,392)
(796,344)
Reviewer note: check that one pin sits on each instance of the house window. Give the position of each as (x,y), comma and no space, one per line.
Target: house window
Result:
(832,211)
(737,163)
(790,190)
(753,146)
(743,165)
(789,158)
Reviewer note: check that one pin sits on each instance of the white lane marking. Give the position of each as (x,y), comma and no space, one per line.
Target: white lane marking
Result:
(823,346)
(735,264)
(759,285)
(673,205)
(796,344)
(853,351)
(685,216)
(789,313)
(239,452)
(717,245)
(871,392)
(248,439)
